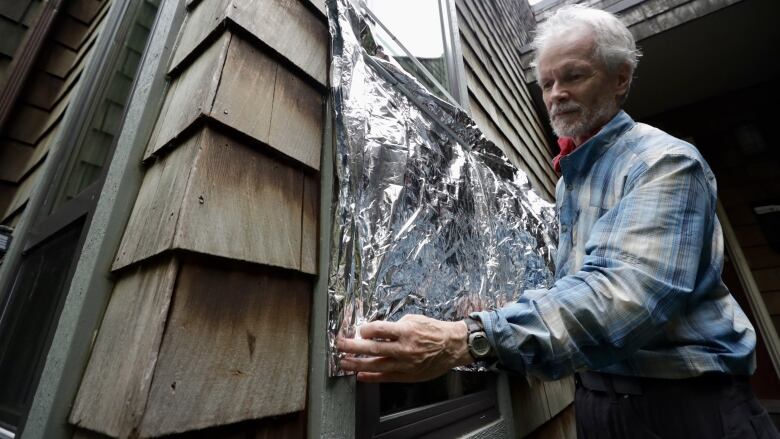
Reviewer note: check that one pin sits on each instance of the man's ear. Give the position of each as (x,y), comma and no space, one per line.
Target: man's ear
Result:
(623,80)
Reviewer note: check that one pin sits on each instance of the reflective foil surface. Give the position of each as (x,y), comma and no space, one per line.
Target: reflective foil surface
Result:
(429,216)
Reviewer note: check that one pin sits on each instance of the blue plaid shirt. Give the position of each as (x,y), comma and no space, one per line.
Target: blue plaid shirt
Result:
(638,290)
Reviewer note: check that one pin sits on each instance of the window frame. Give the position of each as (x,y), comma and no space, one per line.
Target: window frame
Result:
(453,417)
(457,92)
(460,415)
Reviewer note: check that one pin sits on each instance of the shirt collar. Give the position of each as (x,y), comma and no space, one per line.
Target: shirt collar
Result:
(581,159)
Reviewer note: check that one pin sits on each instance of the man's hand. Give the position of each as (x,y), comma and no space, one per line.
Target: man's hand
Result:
(415,348)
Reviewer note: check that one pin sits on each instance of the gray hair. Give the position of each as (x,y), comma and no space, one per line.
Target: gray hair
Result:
(615,45)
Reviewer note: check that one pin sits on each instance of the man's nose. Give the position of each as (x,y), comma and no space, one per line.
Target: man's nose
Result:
(558,93)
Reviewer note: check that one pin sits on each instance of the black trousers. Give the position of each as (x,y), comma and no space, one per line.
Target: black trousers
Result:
(704,407)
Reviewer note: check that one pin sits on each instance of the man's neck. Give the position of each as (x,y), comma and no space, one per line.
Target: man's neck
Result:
(579,140)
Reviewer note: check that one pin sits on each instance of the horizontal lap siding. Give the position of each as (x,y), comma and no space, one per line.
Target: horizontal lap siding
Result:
(16,19)
(492,34)
(497,89)
(35,120)
(231,199)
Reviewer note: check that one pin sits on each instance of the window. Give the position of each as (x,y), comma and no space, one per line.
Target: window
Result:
(449,406)
(31,304)
(421,36)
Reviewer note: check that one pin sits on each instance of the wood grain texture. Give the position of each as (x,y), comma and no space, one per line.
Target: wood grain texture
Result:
(242,205)
(190,96)
(236,348)
(205,18)
(21,195)
(529,404)
(245,97)
(157,208)
(504,113)
(287,26)
(488,53)
(85,10)
(495,135)
(238,85)
(297,119)
(310,223)
(217,196)
(560,394)
(113,393)
(319,5)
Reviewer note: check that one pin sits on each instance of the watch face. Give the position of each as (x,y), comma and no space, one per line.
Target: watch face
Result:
(479,345)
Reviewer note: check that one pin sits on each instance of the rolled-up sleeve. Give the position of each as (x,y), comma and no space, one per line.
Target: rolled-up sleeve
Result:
(641,261)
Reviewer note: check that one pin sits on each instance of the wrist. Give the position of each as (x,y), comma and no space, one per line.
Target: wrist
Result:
(460,336)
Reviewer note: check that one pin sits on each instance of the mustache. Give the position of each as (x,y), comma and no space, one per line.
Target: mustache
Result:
(564,108)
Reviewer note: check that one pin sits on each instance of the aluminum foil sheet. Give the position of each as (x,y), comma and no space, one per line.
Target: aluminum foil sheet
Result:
(429,216)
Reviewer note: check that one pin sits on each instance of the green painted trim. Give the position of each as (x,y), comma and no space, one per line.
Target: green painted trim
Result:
(331,400)
(91,285)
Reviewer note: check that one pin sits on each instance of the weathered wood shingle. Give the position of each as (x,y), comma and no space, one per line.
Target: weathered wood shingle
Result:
(236,84)
(216,195)
(116,385)
(286,26)
(235,349)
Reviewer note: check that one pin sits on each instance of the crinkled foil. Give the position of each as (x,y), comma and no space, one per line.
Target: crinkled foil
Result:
(429,216)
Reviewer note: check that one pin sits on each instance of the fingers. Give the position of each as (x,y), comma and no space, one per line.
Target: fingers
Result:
(369,347)
(381,329)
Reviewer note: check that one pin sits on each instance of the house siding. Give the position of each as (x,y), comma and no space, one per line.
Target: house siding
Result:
(492,34)
(499,98)
(28,134)
(215,268)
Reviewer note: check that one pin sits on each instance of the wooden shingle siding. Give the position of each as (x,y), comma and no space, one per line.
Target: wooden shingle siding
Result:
(35,119)
(288,27)
(218,196)
(499,98)
(190,95)
(309,224)
(235,349)
(281,110)
(127,345)
(231,191)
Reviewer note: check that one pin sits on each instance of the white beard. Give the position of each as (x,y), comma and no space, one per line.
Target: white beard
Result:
(585,122)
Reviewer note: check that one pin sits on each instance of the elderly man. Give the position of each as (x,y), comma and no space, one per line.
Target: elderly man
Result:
(638,310)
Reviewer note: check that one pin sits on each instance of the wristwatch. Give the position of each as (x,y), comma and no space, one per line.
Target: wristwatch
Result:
(479,346)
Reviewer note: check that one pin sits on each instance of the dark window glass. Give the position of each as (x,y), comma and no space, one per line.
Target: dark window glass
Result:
(450,406)
(37,295)
(397,397)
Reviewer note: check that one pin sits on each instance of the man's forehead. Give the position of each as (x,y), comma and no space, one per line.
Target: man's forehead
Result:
(578,44)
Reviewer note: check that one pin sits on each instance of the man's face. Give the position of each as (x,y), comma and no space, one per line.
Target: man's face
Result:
(578,91)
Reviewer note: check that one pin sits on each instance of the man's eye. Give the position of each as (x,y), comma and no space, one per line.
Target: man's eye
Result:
(547,85)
